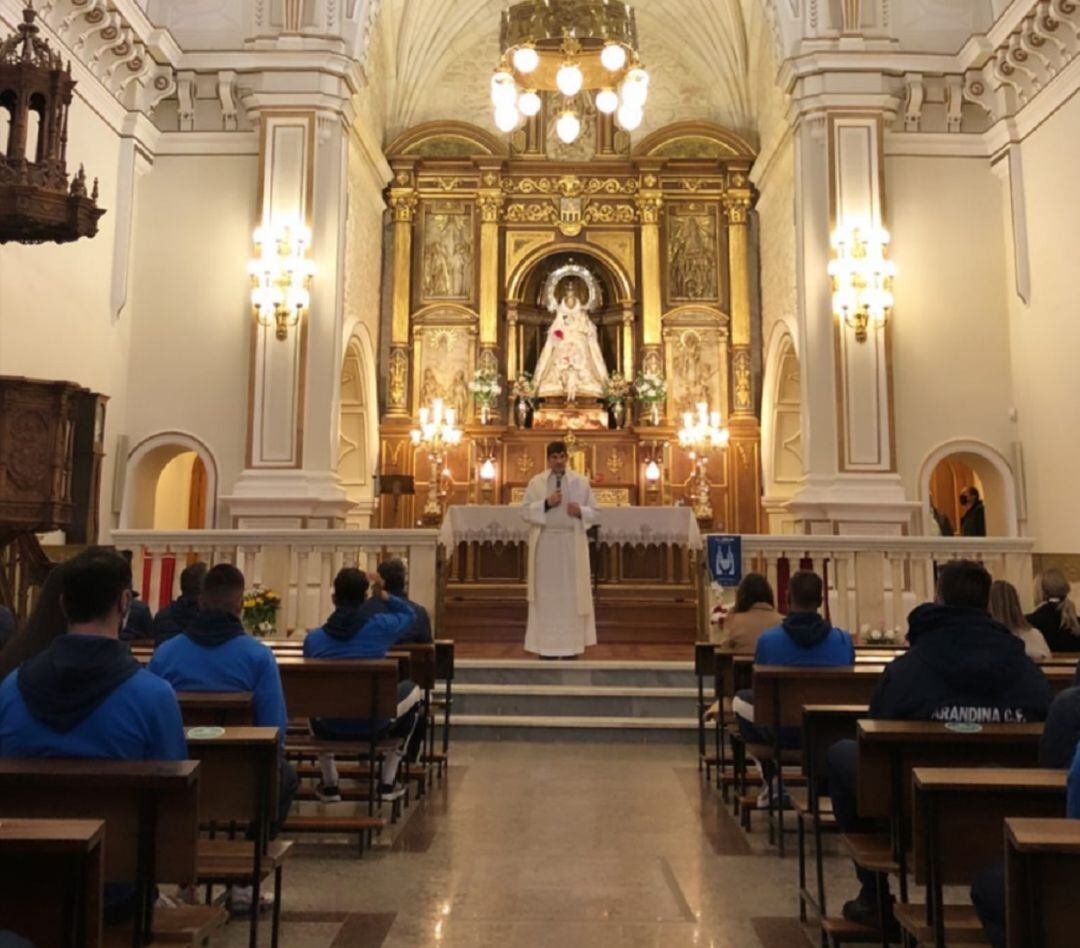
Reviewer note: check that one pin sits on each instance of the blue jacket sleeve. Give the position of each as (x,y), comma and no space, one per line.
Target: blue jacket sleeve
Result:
(269,697)
(167,741)
(1072,799)
(386,628)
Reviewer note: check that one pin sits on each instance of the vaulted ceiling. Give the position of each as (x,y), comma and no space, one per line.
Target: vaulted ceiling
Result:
(710,59)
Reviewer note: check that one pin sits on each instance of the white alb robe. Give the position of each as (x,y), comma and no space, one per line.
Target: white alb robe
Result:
(561,617)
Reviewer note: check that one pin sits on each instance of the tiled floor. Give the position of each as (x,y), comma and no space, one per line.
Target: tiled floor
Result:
(541,844)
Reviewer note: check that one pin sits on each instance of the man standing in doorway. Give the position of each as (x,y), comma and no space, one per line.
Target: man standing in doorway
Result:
(973,520)
(560,506)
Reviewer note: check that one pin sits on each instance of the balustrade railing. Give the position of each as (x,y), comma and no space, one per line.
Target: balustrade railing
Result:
(299,565)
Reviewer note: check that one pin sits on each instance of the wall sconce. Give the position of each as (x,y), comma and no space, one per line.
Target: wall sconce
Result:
(861,278)
(281,275)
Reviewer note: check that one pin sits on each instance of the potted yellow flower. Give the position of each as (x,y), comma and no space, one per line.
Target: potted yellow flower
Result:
(260,610)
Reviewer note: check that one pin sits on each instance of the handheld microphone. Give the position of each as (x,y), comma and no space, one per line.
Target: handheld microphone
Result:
(558,482)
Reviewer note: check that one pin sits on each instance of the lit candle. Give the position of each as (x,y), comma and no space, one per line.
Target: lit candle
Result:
(438,410)
(423,417)
(451,416)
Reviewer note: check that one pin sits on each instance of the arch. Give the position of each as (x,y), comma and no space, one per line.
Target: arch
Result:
(144,465)
(781,414)
(446,140)
(996,474)
(358,428)
(516,283)
(694,140)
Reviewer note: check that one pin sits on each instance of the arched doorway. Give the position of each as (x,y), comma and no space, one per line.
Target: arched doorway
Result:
(357,433)
(781,426)
(950,468)
(171,484)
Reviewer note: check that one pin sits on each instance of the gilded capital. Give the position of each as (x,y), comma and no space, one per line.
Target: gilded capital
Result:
(737,206)
(403,204)
(490,205)
(649,205)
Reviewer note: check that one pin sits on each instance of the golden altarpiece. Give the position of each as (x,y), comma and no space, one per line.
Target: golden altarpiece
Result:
(489,236)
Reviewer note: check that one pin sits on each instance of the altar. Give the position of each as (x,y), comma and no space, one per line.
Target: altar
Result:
(645,563)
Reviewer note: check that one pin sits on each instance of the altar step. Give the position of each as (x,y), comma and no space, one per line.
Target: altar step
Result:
(601,701)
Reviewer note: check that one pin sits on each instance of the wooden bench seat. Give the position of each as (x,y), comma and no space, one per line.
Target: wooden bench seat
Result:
(961,923)
(872,851)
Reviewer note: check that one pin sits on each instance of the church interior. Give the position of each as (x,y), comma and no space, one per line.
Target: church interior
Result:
(713,293)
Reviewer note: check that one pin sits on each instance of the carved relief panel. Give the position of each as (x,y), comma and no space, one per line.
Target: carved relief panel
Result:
(447,259)
(445,356)
(693,272)
(696,351)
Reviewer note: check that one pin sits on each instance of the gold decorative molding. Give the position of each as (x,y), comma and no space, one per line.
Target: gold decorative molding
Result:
(605,496)
(519,244)
(621,245)
(403,204)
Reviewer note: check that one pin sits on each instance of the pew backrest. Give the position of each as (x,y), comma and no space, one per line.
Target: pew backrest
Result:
(1042,863)
(216,708)
(780,692)
(238,775)
(329,688)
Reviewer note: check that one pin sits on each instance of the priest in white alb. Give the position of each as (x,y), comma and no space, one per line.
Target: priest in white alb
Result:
(560,507)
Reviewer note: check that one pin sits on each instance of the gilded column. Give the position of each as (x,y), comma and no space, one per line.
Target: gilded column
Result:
(737,205)
(512,368)
(650,203)
(489,201)
(403,204)
(628,344)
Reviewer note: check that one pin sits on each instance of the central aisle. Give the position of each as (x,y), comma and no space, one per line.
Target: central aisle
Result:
(551,844)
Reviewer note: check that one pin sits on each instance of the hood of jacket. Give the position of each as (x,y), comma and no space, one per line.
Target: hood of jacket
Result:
(807,629)
(345,621)
(968,649)
(213,627)
(64,684)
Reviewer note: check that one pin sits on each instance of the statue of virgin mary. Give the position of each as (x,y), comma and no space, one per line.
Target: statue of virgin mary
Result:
(571,363)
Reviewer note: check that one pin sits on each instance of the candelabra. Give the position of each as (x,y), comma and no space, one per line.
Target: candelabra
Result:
(700,434)
(281,275)
(862,278)
(436,434)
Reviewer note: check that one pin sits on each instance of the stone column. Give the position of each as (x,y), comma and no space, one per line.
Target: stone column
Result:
(403,204)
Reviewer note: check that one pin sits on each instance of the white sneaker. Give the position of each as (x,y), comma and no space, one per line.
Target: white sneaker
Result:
(763,797)
(240,898)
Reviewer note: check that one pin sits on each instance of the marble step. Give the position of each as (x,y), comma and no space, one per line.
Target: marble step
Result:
(582,701)
(578,673)
(566,728)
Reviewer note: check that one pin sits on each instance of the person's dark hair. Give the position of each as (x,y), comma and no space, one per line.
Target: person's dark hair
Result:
(556,447)
(805,591)
(973,493)
(964,583)
(191,579)
(45,623)
(350,586)
(94,581)
(753,589)
(393,575)
(221,587)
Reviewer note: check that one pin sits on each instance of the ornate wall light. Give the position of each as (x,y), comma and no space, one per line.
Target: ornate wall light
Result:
(281,275)
(566,47)
(699,435)
(436,433)
(861,277)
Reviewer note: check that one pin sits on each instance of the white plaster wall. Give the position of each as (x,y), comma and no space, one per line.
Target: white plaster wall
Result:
(190,343)
(950,340)
(1045,332)
(55,315)
(172,496)
(776,218)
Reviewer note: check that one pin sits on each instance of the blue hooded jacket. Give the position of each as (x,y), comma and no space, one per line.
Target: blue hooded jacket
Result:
(804,639)
(359,633)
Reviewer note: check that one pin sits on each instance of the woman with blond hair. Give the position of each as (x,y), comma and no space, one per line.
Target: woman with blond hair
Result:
(1055,616)
(1005,607)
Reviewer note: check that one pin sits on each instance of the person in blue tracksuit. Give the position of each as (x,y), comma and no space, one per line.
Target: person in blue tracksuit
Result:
(395,580)
(85,696)
(355,631)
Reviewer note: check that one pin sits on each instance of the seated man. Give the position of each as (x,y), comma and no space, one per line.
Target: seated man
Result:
(139,622)
(394,579)
(85,696)
(179,614)
(803,638)
(354,631)
(961,666)
(215,653)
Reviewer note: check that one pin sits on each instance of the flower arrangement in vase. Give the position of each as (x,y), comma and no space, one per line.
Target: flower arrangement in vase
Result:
(486,391)
(615,395)
(260,610)
(880,636)
(524,392)
(651,390)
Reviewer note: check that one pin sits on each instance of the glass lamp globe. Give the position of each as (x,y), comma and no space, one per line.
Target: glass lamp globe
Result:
(613,57)
(630,116)
(569,79)
(526,59)
(529,103)
(635,90)
(607,101)
(503,88)
(506,117)
(568,127)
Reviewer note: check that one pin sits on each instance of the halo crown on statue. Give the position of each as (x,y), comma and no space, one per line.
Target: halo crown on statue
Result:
(571,362)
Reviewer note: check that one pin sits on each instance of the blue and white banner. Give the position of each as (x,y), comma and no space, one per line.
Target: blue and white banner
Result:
(725,559)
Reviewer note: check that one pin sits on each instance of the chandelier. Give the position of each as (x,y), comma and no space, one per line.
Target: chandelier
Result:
(37,204)
(436,433)
(862,278)
(701,433)
(569,48)
(280,275)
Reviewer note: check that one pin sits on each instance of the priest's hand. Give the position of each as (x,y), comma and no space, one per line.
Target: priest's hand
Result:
(555,499)
(574,510)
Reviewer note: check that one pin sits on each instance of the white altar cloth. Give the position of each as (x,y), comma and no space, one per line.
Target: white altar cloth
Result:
(636,526)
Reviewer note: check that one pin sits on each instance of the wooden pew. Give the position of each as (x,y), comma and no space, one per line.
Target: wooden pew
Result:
(216,708)
(53,872)
(318,688)
(150,810)
(888,753)
(959,816)
(780,692)
(1042,864)
(444,672)
(422,672)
